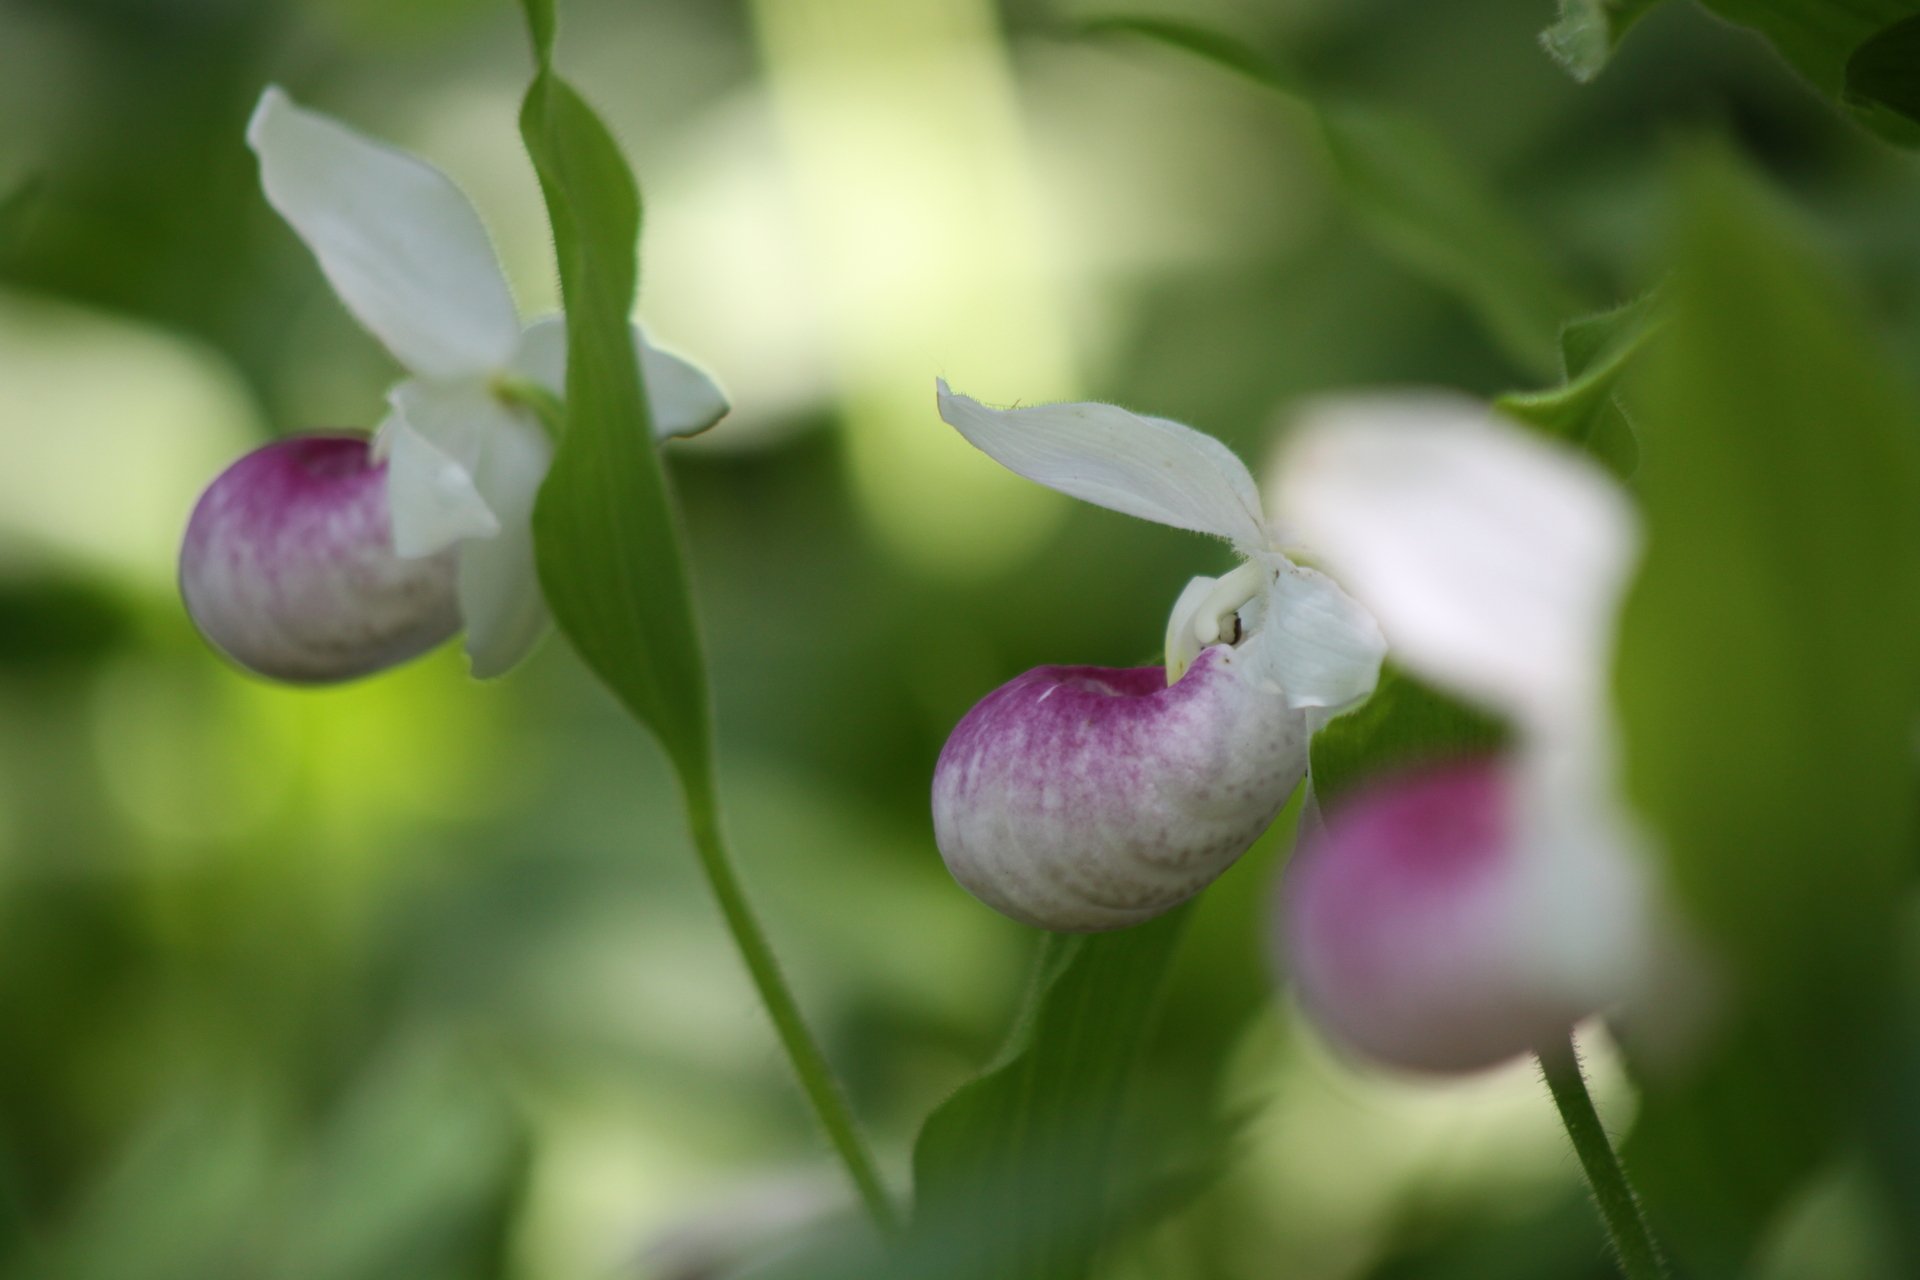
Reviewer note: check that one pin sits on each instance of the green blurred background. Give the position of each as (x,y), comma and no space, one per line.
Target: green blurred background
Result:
(416,977)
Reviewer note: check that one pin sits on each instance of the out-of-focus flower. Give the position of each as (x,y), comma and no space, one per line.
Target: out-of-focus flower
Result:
(1449,918)
(1087,798)
(427,528)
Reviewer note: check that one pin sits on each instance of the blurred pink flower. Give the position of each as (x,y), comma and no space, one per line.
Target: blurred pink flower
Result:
(1449,918)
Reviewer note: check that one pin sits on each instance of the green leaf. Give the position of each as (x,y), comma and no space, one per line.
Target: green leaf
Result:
(1595,351)
(1588,31)
(1885,69)
(1413,195)
(1403,724)
(540,26)
(1820,37)
(606,536)
(1019,1175)
(1203,42)
(1769,696)
(17,210)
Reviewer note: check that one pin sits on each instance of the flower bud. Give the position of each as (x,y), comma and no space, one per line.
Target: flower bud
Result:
(1087,798)
(1413,928)
(288,566)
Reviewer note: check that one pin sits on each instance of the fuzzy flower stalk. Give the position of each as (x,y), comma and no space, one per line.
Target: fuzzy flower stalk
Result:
(1080,798)
(327,556)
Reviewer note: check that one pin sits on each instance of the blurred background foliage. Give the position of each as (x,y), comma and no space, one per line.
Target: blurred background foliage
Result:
(415,977)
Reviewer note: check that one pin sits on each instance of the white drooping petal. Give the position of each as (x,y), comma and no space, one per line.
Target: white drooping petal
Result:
(1310,640)
(434,437)
(498,586)
(401,245)
(682,398)
(1493,560)
(1100,453)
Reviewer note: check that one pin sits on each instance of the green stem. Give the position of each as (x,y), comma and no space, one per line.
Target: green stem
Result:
(1619,1208)
(703,813)
(816,1077)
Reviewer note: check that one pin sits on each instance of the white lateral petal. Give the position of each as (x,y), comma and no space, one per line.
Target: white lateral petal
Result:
(430,497)
(682,399)
(435,437)
(1100,453)
(499,588)
(541,353)
(402,247)
(1312,640)
(1493,560)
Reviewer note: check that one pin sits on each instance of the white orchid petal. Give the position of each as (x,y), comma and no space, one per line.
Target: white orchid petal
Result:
(434,438)
(1148,467)
(1312,641)
(1493,560)
(402,247)
(541,355)
(682,399)
(498,584)
(431,497)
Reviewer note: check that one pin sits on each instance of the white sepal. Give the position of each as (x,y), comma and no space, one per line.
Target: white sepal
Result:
(1153,468)
(402,246)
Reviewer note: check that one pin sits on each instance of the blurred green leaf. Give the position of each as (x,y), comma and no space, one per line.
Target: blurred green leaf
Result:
(54,622)
(1403,724)
(1203,42)
(17,208)
(1820,37)
(178,1196)
(1769,695)
(1018,1175)
(1595,351)
(420,1172)
(1420,202)
(605,533)
(1588,31)
(1885,69)
(1413,194)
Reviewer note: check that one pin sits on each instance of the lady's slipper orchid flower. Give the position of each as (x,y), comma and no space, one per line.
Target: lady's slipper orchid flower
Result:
(1447,919)
(431,522)
(1086,798)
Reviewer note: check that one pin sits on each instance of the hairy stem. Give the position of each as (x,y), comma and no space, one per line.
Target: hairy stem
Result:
(1619,1207)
